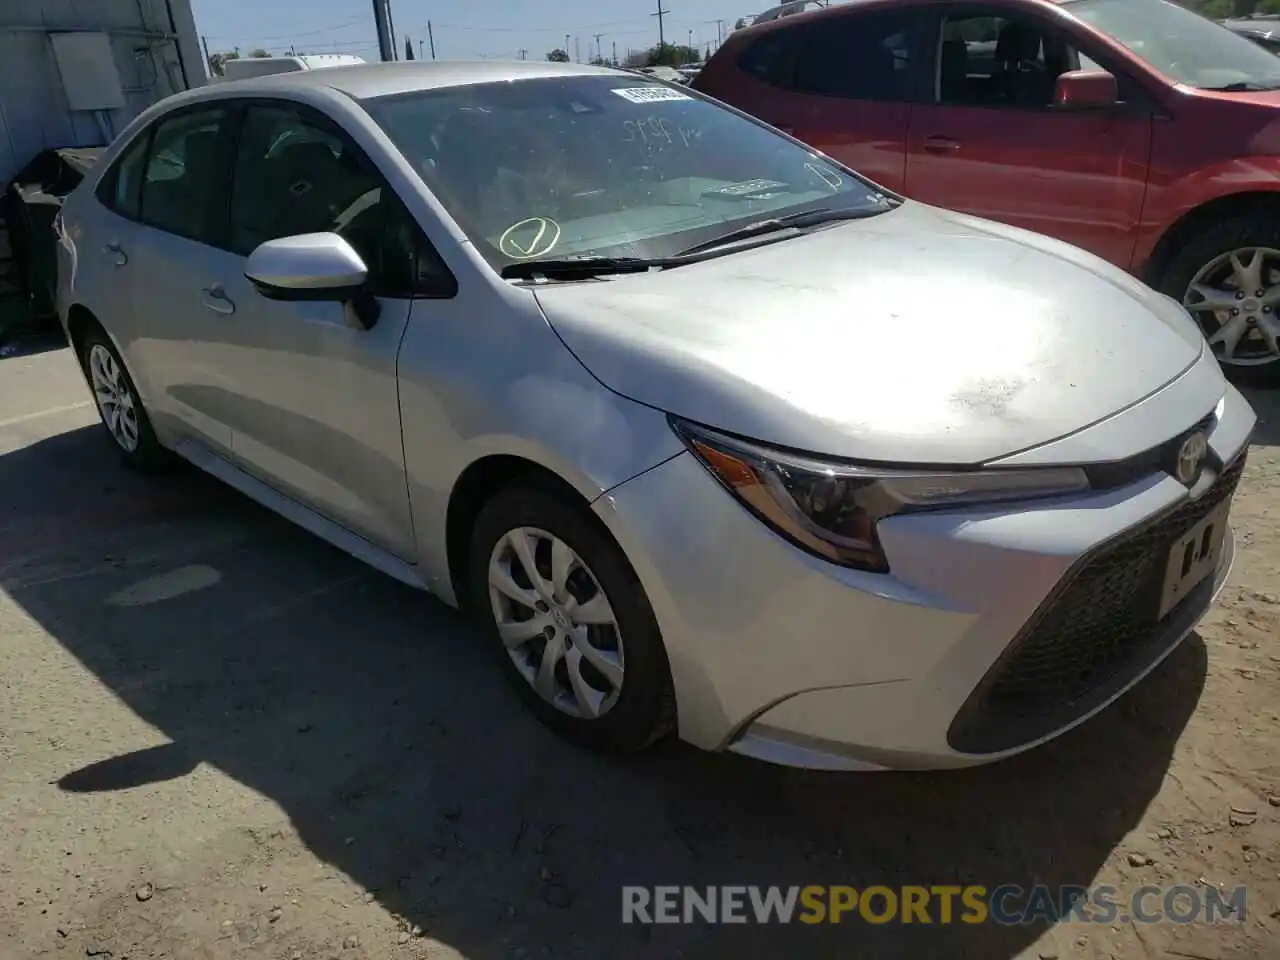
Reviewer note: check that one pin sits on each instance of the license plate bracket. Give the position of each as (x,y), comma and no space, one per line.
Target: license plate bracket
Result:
(1194,556)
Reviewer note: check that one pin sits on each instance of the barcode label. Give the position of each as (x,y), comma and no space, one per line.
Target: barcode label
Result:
(653,94)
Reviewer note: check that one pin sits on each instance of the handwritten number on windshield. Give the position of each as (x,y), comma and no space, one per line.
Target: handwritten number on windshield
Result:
(657,132)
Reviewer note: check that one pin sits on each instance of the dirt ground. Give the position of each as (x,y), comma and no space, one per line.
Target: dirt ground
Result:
(220,738)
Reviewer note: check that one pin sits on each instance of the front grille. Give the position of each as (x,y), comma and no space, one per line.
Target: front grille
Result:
(1157,459)
(1091,637)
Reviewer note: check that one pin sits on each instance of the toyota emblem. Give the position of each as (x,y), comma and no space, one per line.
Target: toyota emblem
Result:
(1190,459)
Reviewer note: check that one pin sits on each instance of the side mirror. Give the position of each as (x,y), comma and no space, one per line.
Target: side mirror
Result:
(1085,90)
(313,266)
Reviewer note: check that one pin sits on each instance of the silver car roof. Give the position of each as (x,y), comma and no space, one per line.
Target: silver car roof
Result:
(382,79)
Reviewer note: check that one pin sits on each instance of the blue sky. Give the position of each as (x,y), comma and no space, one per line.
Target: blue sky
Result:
(463,30)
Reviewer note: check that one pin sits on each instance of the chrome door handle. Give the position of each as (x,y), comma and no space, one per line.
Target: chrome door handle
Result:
(215,299)
(116,253)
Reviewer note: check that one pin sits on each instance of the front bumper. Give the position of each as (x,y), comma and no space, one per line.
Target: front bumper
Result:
(978,645)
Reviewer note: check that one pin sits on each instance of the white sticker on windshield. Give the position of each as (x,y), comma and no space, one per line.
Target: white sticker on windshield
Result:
(651,94)
(745,188)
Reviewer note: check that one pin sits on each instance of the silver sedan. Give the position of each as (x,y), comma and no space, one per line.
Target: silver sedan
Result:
(716,436)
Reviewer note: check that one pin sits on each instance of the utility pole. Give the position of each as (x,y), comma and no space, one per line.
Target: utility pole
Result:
(391,31)
(566,44)
(208,63)
(421,44)
(577,50)
(719,32)
(382,23)
(524,53)
(661,36)
(599,55)
(431,39)
(615,53)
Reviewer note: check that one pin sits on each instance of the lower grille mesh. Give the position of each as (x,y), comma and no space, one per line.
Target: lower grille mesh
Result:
(1097,628)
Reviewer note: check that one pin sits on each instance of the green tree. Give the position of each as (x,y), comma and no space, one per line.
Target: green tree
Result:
(258,54)
(1221,9)
(670,55)
(558,56)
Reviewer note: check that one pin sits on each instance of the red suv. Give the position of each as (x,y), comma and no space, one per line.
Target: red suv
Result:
(1135,129)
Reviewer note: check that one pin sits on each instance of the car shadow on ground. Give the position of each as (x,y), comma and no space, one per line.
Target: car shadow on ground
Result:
(1266,404)
(375,718)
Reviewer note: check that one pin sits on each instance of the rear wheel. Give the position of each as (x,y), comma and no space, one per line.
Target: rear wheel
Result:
(570,621)
(119,404)
(1228,278)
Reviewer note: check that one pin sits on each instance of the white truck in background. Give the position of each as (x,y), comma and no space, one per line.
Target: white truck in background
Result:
(262,66)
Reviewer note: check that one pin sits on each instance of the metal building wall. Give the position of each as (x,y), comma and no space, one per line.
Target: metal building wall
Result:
(156,53)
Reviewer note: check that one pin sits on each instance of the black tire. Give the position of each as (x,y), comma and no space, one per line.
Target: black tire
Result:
(148,456)
(644,709)
(1260,229)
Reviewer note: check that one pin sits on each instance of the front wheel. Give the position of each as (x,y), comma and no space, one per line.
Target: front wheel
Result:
(570,621)
(1228,278)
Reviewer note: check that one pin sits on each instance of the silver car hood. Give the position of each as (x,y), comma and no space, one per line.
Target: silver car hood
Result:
(917,336)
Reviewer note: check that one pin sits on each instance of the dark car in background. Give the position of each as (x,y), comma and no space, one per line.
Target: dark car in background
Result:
(1264,30)
(1136,129)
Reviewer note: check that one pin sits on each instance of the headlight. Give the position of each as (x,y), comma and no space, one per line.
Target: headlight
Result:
(831,508)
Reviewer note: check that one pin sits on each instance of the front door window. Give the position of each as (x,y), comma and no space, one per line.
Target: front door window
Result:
(996,61)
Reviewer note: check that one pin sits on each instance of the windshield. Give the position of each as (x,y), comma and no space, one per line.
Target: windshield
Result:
(613,166)
(1182,45)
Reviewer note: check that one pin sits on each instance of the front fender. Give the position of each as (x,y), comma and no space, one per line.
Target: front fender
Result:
(485,376)
(1168,203)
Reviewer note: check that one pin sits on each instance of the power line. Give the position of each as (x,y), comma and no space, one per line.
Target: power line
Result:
(304,33)
(559,29)
(292,39)
(321,47)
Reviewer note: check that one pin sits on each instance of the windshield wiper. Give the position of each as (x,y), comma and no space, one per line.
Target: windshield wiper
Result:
(794,221)
(581,267)
(1243,86)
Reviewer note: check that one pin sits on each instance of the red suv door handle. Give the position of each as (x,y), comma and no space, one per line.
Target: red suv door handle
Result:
(941,145)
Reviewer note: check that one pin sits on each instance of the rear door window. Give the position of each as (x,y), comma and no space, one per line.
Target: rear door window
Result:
(858,58)
(120,190)
(864,57)
(771,58)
